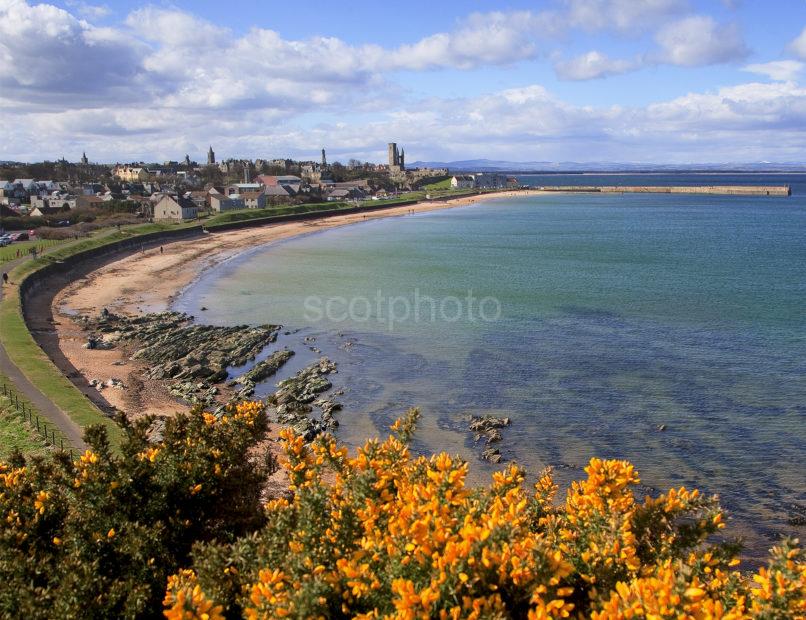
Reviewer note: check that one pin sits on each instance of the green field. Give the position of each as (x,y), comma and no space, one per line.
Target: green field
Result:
(439,185)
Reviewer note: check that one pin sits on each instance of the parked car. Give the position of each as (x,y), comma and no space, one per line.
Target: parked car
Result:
(20,236)
(4,241)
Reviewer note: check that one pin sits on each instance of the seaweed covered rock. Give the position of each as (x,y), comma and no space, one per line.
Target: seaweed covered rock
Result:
(177,348)
(488,428)
(261,371)
(294,396)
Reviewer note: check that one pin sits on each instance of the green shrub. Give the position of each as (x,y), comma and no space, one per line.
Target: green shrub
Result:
(98,537)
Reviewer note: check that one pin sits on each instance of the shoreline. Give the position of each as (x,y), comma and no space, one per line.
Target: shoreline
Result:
(151,280)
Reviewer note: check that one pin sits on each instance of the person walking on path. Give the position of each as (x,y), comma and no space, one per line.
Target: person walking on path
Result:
(5,278)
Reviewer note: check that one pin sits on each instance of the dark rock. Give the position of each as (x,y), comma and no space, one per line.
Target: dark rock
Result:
(492,455)
(266,368)
(488,428)
(176,348)
(294,398)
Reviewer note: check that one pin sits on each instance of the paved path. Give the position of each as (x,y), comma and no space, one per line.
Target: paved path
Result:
(41,403)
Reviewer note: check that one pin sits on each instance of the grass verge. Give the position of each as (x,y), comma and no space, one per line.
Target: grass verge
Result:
(17,433)
(22,248)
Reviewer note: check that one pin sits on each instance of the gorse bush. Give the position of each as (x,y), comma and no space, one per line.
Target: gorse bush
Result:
(98,537)
(386,535)
(381,534)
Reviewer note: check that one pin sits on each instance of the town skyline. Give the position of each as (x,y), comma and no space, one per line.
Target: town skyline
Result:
(660,81)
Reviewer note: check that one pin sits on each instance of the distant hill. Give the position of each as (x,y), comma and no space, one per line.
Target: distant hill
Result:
(494,165)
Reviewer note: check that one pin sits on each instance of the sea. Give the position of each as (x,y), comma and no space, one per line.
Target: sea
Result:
(669,330)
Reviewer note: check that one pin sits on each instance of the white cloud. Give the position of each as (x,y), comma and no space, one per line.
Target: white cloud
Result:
(699,40)
(49,55)
(167,83)
(798,46)
(90,11)
(174,28)
(749,122)
(592,65)
(481,39)
(779,70)
(624,15)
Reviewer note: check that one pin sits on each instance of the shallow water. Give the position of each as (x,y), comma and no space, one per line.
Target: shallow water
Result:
(618,314)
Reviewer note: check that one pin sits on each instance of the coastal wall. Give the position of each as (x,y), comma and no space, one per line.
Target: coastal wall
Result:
(723,190)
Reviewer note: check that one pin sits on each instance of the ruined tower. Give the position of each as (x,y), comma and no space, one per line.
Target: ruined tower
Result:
(393,156)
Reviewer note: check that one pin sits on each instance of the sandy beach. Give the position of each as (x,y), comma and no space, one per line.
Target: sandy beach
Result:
(149,281)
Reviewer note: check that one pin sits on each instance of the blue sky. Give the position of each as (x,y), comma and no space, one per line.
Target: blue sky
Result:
(677,81)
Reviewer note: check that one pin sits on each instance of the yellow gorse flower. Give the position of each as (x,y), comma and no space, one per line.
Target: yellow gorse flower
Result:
(386,534)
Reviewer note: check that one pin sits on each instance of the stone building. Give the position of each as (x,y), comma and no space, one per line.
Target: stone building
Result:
(175,208)
(210,156)
(221,202)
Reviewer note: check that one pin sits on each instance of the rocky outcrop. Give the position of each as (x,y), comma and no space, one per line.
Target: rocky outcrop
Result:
(296,397)
(195,393)
(261,371)
(487,428)
(180,349)
(194,356)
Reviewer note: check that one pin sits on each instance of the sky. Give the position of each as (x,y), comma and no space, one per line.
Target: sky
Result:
(641,81)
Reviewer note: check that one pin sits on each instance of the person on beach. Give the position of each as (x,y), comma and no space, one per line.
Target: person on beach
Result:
(161,250)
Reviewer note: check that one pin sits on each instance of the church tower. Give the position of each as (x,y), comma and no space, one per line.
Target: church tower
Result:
(210,157)
(324,160)
(84,160)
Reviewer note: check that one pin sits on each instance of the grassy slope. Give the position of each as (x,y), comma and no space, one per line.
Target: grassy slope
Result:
(27,355)
(439,185)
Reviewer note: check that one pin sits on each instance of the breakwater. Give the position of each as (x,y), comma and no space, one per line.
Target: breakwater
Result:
(723,190)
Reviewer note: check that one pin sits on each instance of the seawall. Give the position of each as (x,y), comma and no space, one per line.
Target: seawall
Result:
(722,190)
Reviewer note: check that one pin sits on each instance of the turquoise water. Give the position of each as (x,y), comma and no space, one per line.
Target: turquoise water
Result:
(607,316)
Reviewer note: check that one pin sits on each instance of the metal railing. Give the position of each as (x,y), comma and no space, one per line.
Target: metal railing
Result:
(47,431)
